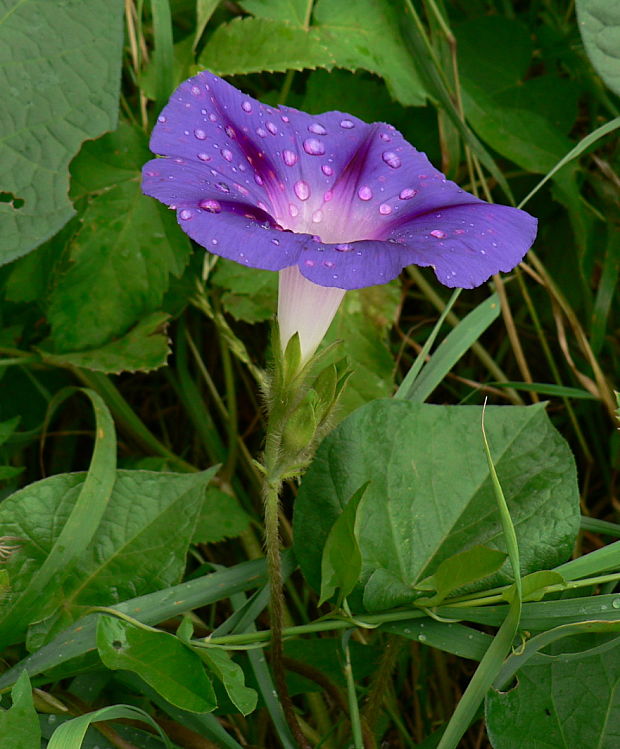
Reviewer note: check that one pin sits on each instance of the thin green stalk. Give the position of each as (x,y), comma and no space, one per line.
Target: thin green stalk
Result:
(231,402)
(354,710)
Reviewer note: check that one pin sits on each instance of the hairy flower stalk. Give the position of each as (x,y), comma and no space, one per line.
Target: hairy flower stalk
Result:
(332,203)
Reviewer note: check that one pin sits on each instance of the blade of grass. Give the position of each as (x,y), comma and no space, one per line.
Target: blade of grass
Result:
(163,57)
(575,152)
(81,523)
(71,734)
(594,525)
(452,348)
(354,710)
(502,642)
(546,388)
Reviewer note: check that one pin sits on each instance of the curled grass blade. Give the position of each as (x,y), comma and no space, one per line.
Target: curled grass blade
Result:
(81,523)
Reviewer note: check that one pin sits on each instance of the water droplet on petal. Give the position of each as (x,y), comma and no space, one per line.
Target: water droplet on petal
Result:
(212,117)
(290,157)
(328,196)
(226,154)
(284,118)
(195,91)
(345,247)
(271,127)
(385,209)
(212,206)
(314,147)
(327,170)
(328,263)
(246,106)
(407,193)
(293,210)
(200,134)
(214,242)
(302,189)
(317,217)
(309,263)
(347,124)
(185,214)
(276,242)
(364,193)
(438,234)
(459,231)
(230,131)
(391,159)
(204,156)
(258,179)
(223,187)
(317,129)
(260,131)
(385,137)
(161,118)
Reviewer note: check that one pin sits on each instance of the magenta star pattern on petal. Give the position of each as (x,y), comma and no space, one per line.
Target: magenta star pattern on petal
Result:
(347,203)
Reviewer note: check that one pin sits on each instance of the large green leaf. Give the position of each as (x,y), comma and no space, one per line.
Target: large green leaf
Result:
(159,658)
(139,545)
(599,23)
(572,700)
(117,266)
(60,76)
(430,495)
(365,35)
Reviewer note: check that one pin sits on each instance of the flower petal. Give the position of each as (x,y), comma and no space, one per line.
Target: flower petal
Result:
(466,244)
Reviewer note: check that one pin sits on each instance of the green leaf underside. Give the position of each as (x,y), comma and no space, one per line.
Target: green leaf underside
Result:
(599,23)
(369,40)
(60,77)
(571,701)
(414,515)
(159,658)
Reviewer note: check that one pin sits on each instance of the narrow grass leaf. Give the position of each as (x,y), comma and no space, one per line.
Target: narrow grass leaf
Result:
(163,54)
(80,526)
(546,388)
(71,734)
(452,348)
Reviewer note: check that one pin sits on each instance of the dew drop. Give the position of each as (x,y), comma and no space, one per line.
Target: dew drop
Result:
(161,118)
(309,263)
(385,137)
(290,157)
(327,170)
(347,124)
(260,131)
(204,156)
(200,134)
(385,209)
(185,214)
(212,117)
(223,187)
(345,247)
(616,603)
(328,263)
(407,193)
(271,127)
(459,231)
(293,210)
(246,106)
(214,242)
(276,242)
(284,118)
(195,91)
(212,206)
(317,128)
(438,234)
(422,638)
(230,131)
(314,147)
(317,217)
(391,159)
(226,154)
(364,193)
(262,206)
(328,196)
(258,179)
(302,189)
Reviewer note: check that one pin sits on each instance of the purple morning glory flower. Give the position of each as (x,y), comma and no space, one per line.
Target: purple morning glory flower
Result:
(326,199)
